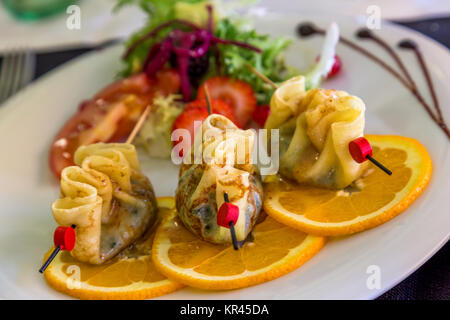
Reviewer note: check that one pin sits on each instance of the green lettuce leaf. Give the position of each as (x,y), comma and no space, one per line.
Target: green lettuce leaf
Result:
(270,61)
(233,59)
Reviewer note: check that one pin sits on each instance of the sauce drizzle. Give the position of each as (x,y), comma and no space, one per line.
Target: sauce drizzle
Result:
(307,29)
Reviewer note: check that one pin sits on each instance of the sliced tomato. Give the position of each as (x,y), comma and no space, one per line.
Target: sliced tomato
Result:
(138,84)
(109,116)
(167,81)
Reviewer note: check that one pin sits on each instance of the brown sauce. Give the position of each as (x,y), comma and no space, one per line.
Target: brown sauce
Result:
(307,29)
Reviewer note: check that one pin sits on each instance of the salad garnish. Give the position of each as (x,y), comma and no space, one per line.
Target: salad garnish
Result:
(191,35)
(184,49)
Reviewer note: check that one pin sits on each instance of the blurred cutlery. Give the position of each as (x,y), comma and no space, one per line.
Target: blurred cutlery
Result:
(17,70)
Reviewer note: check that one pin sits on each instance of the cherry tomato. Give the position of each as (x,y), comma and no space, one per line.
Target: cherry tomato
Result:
(109,116)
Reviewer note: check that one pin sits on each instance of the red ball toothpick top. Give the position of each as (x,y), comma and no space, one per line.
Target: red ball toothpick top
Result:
(64,238)
(359,149)
(228,212)
(227,217)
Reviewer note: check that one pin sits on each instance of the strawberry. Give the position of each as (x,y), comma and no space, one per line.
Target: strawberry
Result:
(197,111)
(218,106)
(186,121)
(236,93)
(260,115)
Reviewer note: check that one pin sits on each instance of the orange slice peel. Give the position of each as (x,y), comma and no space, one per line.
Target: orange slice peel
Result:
(133,277)
(273,251)
(372,200)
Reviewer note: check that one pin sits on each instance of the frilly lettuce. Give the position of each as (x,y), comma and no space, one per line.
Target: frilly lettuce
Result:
(269,62)
(233,59)
(154,135)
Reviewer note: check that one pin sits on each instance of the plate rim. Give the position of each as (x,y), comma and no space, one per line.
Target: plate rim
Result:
(7,107)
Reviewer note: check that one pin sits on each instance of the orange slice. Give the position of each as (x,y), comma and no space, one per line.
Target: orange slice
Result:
(271,251)
(372,200)
(130,276)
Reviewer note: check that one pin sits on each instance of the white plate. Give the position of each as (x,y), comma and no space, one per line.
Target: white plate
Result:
(29,121)
(98,24)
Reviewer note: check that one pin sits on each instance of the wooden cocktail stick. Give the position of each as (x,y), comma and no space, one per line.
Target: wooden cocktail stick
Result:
(208,100)
(138,125)
(262,76)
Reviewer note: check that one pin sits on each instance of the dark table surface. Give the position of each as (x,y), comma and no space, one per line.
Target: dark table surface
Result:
(432,280)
